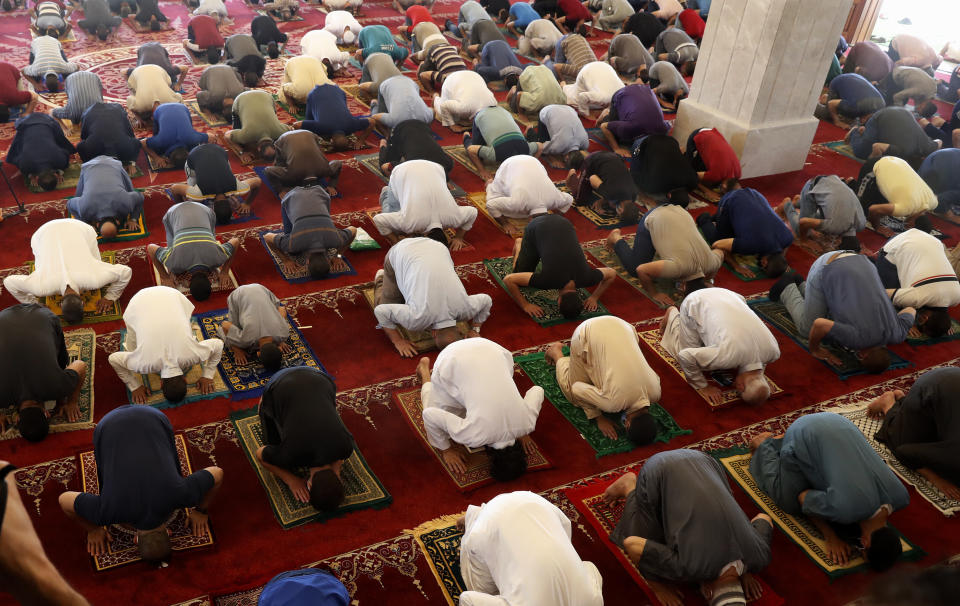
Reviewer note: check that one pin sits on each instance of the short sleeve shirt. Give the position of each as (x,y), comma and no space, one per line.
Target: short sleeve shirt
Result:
(555,239)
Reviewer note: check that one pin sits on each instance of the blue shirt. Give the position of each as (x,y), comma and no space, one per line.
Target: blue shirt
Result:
(746,216)
(173,128)
(853,88)
(941,171)
(104,191)
(498,54)
(523,14)
(327,105)
(305,586)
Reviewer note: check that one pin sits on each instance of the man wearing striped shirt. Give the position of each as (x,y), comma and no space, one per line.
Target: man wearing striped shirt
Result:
(83,89)
(48,61)
(50,18)
(570,55)
(439,60)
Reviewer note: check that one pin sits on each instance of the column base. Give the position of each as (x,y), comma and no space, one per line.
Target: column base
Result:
(764,149)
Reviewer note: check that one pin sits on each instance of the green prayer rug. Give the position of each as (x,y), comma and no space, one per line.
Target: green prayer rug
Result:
(750,262)
(843,148)
(440,542)
(71,176)
(921,339)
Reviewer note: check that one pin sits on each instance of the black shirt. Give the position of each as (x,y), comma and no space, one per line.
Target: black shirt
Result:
(545,8)
(34,356)
(264,30)
(617,184)
(250,63)
(551,240)
(658,166)
(413,140)
(299,419)
(106,129)
(495,6)
(644,26)
(211,166)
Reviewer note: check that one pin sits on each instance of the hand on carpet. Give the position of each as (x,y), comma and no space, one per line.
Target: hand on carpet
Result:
(529,448)
(454,460)
(198,522)
(285,348)
(139,395)
(298,486)
(98,541)
(132,225)
(457,243)
(104,305)
(338,265)
(744,271)
(243,210)
(71,411)
(712,394)
(822,354)
(591,304)
(205,385)
(606,427)
(290,266)
(239,356)
(534,311)
(751,587)
(405,348)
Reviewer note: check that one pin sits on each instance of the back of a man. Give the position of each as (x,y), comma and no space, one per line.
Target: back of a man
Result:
(36,356)
(555,241)
(746,216)
(191,242)
(676,238)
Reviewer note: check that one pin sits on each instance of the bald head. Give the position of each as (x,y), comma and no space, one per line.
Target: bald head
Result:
(108,230)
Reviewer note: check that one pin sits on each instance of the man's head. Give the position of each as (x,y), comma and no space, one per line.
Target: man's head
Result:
(48,180)
(326,490)
(446,336)
(569,304)
(679,196)
(286,14)
(250,79)
(52,82)
(752,387)
(875,359)
(641,427)
(318,265)
(178,157)
(642,74)
(933,321)
(340,142)
(688,68)
(4,113)
(437,234)
(108,229)
(573,159)
(270,356)
(223,211)
(7,5)
(507,463)
(511,80)
(154,26)
(774,264)
(213,55)
(850,243)
(273,51)
(33,423)
(884,549)
(200,286)
(629,212)
(102,31)
(266,149)
(154,545)
(923,223)
(927,109)
(174,389)
(224,107)
(52,32)
(72,308)
(328,66)
(730,184)
(694,285)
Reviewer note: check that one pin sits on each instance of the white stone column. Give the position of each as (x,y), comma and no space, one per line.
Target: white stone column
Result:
(760,72)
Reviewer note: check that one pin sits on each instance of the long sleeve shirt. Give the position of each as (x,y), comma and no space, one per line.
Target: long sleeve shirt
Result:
(473,400)
(896,126)
(522,188)
(464,93)
(596,83)
(83,89)
(322,44)
(254,314)
(923,270)
(150,84)
(425,201)
(301,74)
(39,145)
(105,190)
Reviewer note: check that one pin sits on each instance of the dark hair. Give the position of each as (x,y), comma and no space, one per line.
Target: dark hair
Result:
(271,357)
(154,546)
(850,243)
(7,5)
(438,234)
(507,463)
(776,265)
(927,109)
(679,196)
(644,76)
(52,82)
(52,32)
(4,113)
(223,210)
(33,423)
(72,308)
(200,286)
(174,389)
(884,550)
(154,26)
(876,360)
(937,323)
(326,490)
(694,285)
(643,429)
(213,55)
(102,31)
(286,14)
(511,80)
(263,146)
(318,265)
(47,180)
(629,212)
(688,68)
(923,223)
(178,157)
(272,51)
(328,67)
(570,305)
(251,79)
(574,160)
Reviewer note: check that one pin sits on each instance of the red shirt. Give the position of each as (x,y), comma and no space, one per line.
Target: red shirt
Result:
(418,14)
(721,161)
(205,33)
(692,23)
(573,10)
(9,78)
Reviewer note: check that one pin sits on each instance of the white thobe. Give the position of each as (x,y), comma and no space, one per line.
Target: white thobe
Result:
(463,94)
(337,22)
(433,294)
(716,330)
(596,82)
(920,259)
(522,188)
(211,7)
(322,44)
(471,398)
(66,256)
(160,338)
(420,186)
(516,551)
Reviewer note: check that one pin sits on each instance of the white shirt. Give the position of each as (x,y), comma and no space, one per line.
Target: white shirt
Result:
(322,44)
(595,85)
(522,188)
(435,297)
(66,256)
(338,21)
(668,8)
(920,257)
(160,338)
(516,551)
(211,7)
(301,74)
(903,187)
(150,84)
(464,93)
(473,400)
(426,203)
(718,331)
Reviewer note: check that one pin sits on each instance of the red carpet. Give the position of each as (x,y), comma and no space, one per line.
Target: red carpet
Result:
(377,566)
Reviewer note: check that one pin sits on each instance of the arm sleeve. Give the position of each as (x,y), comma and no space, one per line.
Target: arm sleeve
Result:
(389,315)
(862,144)
(820,503)
(480,307)
(693,359)
(216,351)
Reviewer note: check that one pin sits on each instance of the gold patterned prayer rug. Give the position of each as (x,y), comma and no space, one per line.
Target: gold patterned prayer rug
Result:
(81,345)
(449,232)
(68,36)
(514,227)
(607,257)
(293,268)
(720,379)
(71,176)
(123,549)
(182,281)
(124,234)
(476,459)
(362,489)
(439,540)
(372,163)
(209,118)
(798,529)
(90,299)
(422,340)
(523,119)
(819,245)
(458,153)
(145,29)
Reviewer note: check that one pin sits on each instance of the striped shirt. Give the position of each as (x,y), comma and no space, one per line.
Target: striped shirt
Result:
(83,90)
(47,58)
(49,14)
(191,242)
(577,51)
(444,60)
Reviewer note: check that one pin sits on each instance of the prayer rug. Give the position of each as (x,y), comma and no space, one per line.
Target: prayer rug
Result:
(891,226)
(750,262)
(820,245)
(90,299)
(157,167)
(235,217)
(362,489)
(354,94)
(458,153)
(449,232)
(543,374)
(69,36)
(596,135)
(520,118)
(721,380)
(545,299)
(921,339)
(238,151)
(372,163)
(250,379)
(139,28)
(777,315)
(439,540)
(798,529)
(71,176)
(514,227)
(422,340)
(182,281)
(123,548)
(197,59)
(477,461)
(857,413)
(293,268)
(843,148)
(287,107)
(81,345)
(261,172)
(155,396)
(603,518)
(296,17)
(607,257)
(209,118)
(124,234)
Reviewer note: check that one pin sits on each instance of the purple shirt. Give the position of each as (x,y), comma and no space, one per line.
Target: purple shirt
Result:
(634,112)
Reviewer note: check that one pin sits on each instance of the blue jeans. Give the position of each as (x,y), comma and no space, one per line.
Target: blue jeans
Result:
(807,302)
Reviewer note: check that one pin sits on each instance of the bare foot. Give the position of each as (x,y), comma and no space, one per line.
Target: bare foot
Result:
(613,238)
(781,209)
(621,488)
(423,370)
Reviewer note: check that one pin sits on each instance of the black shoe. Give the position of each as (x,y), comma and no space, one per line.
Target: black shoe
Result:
(791,277)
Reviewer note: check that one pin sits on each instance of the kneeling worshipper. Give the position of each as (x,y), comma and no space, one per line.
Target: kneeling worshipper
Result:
(604,174)
(418,289)
(150,85)
(634,112)
(714,329)
(462,95)
(921,429)
(15,92)
(828,205)
(912,51)
(379,39)
(83,89)
(681,524)
(536,89)
(675,46)
(326,114)
(521,189)
(417,201)
(607,373)
(550,242)
(140,484)
(37,370)
(539,38)
(302,428)
(494,138)
(300,75)
(50,18)
(892,188)
(48,62)
(851,96)
(342,24)
(745,224)
(154,53)
(667,246)
(891,129)
(306,585)
(482,33)
(595,85)
(844,301)
(203,37)
(106,198)
(255,125)
(470,13)
(266,33)
(438,60)
(211,181)
(498,61)
(412,140)
(610,14)
(243,54)
(173,135)
(921,278)
(67,263)
(941,171)
(661,172)
(910,83)
(571,53)
(561,131)
(470,398)
(105,130)
(517,549)
(161,340)
(713,158)
(308,230)
(299,157)
(869,60)
(667,83)
(148,11)
(257,324)
(219,85)
(321,44)
(98,20)
(376,69)
(284,10)
(824,468)
(398,100)
(192,247)
(628,55)
(520,16)
(40,151)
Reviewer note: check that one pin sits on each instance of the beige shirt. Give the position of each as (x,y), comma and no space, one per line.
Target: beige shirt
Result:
(301,74)
(903,187)
(676,239)
(150,84)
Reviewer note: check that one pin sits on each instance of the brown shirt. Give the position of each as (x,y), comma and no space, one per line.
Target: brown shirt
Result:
(300,153)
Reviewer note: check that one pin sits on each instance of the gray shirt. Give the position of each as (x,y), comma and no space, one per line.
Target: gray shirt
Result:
(104,191)
(915,80)
(241,45)
(628,54)
(677,44)
(191,243)
(670,79)
(377,68)
(217,83)
(307,226)
(565,128)
(829,198)
(253,316)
